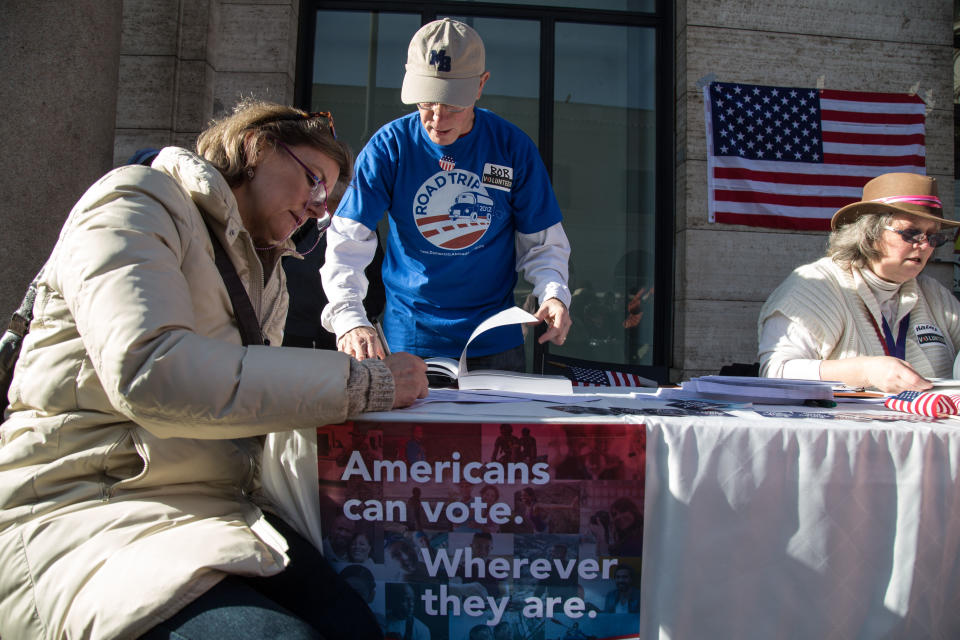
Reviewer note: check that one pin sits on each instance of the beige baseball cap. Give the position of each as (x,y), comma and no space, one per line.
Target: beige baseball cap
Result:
(445,61)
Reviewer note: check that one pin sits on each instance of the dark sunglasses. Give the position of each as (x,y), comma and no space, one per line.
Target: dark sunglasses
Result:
(915,236)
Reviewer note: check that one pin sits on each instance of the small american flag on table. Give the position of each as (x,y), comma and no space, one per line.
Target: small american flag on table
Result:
(595,377)
(924,403)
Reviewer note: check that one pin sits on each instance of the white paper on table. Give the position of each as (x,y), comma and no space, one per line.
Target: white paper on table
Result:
(491,396)
(455,395)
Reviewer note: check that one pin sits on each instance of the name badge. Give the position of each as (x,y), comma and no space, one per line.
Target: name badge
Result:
(497,176)
(928,334)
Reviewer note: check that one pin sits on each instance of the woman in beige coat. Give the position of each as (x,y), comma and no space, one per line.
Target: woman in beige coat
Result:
(155,474)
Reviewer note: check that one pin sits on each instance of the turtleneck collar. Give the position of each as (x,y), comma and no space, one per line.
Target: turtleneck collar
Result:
(876,283)
(884,291)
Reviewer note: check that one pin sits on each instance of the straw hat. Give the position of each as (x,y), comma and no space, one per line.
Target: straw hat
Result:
(896,193)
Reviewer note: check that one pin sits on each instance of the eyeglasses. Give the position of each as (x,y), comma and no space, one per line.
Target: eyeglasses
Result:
(318,193)
(437,106)
(915,236)
(317,199)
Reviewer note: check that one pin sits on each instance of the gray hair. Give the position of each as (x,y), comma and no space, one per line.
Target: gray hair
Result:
(858,244)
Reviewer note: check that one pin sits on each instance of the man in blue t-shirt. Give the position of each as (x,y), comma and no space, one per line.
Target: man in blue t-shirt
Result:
(469,205)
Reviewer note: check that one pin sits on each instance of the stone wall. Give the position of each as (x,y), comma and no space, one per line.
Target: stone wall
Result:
(58,71)
(86,83)
(183,62)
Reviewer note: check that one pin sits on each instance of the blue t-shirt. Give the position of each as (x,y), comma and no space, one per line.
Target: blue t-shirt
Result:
(453,211)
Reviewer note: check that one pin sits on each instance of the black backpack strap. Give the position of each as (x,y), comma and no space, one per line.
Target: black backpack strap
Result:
(242,307)
(12,340)
(21,318)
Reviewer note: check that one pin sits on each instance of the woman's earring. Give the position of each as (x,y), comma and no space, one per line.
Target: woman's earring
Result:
(250,173)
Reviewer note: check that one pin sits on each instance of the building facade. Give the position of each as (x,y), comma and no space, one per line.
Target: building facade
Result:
(610,91)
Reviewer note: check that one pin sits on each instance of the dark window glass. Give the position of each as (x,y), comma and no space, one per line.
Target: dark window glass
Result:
(604,171)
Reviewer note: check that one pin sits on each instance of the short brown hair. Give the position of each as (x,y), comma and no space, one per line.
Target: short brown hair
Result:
(233,143)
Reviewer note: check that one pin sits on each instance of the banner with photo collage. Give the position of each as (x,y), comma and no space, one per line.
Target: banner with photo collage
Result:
(488,531)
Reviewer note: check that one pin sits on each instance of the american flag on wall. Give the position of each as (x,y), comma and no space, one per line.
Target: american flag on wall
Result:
(924,403)
(595,377)
(788,158)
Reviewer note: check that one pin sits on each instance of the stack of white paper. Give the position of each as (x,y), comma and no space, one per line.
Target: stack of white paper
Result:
(760,390)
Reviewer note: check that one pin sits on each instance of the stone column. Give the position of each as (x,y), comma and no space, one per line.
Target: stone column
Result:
(58,69)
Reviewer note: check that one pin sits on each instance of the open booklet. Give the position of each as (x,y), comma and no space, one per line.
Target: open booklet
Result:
(443,371)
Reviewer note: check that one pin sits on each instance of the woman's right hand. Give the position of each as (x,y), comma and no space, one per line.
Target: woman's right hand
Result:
(409,378)
(886,373)
(361,343)
(893,375)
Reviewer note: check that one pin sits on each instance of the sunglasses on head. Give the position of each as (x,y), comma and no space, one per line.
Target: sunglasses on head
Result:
(915,236)
(326,115)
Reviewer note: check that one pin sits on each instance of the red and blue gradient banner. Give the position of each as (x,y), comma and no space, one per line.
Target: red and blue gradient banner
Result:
(488,531)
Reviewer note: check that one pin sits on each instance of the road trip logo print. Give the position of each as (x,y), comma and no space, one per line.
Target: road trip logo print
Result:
(453,209)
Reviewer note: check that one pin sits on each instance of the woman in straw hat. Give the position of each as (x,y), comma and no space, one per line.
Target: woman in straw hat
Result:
(864,315)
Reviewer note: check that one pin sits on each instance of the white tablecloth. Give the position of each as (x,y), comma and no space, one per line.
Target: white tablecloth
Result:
(799,528)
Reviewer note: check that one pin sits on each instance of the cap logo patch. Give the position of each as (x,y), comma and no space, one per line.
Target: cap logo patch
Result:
(440,59)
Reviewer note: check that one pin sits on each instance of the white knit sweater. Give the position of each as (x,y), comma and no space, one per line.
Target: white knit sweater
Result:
(835,306)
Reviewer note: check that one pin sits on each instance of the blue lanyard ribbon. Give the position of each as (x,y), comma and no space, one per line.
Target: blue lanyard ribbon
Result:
(896,348)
